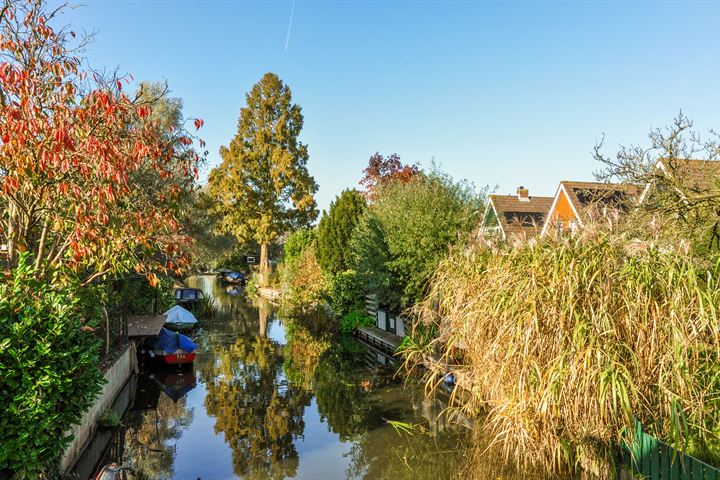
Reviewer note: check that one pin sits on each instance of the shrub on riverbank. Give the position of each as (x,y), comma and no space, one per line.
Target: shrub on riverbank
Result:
(353,320)
(567,340)
(345,293)
(410,227)
(48,368)
(143,298)
(306,285)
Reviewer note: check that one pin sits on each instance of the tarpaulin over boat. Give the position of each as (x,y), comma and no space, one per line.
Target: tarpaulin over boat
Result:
(170,342)
(179,315)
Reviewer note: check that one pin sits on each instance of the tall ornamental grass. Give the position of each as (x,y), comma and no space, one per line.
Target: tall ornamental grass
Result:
(566,341)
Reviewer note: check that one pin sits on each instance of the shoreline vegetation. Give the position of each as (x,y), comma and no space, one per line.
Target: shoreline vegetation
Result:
(568,340)
(586,319)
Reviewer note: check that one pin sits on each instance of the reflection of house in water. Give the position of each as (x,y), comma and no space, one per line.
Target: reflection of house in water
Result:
(434,411)
(375,358)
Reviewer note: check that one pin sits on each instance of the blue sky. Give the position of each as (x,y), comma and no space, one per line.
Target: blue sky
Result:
(500,93)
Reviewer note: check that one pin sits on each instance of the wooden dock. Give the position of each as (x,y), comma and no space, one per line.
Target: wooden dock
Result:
(272,294)
(385,341)
(145,325)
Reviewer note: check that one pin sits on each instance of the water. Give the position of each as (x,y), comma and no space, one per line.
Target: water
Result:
(271,398)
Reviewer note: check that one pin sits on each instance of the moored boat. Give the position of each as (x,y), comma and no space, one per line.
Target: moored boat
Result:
(179,319)
(173,348)
(189,297)
(235,278)
(112,471)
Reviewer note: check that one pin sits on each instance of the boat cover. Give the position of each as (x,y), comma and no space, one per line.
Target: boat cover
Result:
(170,342)
(178,314)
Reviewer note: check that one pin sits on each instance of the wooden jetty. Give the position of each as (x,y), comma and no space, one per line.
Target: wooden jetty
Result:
(380,339)
(272,294)
(145,325)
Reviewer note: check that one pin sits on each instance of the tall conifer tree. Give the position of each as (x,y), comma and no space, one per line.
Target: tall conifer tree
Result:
(262,187)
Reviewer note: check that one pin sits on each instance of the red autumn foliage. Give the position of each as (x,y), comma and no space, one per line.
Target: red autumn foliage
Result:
(381,169)
(87,179)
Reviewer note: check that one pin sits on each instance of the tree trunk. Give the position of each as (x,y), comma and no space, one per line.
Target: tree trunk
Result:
(264,265)
(11,234)
(263,315)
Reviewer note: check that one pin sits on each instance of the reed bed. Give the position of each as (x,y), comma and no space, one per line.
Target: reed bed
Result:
(566,341)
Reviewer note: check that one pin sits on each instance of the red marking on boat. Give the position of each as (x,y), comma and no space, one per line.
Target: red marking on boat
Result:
(175,359)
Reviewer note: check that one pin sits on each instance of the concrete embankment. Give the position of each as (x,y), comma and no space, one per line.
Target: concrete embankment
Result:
(116,376)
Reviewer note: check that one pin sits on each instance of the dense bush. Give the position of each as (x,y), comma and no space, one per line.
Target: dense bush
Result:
(252,285)
(353,320)
(371,258)
(48,369)
(306,284)
(299,265)
(143,298)
(345,293)
(566,341)
(298,241)
(409,229)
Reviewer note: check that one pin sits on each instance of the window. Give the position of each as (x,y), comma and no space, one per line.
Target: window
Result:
(392,318)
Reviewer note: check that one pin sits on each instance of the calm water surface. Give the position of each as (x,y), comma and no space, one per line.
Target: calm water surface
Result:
(268,399)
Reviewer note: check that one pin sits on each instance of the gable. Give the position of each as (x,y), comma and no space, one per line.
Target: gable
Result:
(563,211)
(490,220)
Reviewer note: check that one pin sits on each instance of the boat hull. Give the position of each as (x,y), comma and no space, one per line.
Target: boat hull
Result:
(177,358)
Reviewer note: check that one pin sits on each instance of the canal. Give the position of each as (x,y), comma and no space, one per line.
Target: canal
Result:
(272,397)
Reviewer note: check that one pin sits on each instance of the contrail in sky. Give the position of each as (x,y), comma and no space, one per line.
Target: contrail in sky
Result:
(292,14)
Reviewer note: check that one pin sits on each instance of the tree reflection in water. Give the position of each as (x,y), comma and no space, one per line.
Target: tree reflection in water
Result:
(259,412)
(259,386)
(259,381)
(357,402)
(151,432)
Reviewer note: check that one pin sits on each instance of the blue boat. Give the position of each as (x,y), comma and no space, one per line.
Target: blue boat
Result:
(173,348)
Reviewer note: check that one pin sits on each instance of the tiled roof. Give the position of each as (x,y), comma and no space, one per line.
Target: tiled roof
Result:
(696,175)
(521,217)
(586,194)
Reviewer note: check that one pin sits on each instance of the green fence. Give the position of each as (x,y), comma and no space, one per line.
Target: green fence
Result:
(653,459)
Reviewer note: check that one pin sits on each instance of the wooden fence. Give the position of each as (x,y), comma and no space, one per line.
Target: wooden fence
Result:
(652,459)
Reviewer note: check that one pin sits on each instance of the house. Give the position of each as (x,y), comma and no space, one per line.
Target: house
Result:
(519,215)
(573,201)
(690,176)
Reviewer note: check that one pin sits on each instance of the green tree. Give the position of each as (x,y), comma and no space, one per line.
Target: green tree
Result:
(336,229)
(262,187)
(370,258)
(297,242)
(419,221)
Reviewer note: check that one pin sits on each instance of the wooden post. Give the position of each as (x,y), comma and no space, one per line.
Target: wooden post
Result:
(107,331)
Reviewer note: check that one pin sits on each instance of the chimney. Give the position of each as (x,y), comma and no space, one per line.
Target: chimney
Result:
(523,194)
